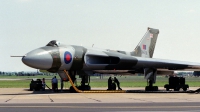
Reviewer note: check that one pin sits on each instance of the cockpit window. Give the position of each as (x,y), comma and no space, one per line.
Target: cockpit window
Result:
(53,43)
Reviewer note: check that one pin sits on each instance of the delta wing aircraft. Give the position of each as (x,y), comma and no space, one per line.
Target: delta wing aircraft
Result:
(57,58)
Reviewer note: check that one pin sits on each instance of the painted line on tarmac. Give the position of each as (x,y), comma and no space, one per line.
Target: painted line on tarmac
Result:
(10,99)
(50,99)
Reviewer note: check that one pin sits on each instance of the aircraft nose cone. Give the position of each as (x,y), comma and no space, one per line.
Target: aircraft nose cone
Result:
(39,59)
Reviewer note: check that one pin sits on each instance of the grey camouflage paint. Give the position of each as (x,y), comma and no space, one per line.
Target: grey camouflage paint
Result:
(84,58)
(78,61)
(147,39)
(54,52)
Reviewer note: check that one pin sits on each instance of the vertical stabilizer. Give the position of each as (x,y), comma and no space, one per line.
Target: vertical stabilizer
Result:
(146,46)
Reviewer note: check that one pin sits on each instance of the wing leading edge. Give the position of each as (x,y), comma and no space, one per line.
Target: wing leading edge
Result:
(111,60)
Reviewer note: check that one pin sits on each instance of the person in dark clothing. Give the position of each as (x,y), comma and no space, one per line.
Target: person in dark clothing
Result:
(43,84)
(109,83)
(118,84)
(55,84)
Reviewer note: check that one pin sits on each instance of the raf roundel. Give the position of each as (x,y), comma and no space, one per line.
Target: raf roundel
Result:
(67,57)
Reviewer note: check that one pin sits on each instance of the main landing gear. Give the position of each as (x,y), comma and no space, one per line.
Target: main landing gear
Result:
(85,84)
(150,86)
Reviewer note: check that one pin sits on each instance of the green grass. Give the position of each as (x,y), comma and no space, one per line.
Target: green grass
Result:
(125,81)
(24,77)
(14,84)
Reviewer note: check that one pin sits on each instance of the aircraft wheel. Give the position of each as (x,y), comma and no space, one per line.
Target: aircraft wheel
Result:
(184,89)
(71,89)
(155,88)
(87,87)
(147,88)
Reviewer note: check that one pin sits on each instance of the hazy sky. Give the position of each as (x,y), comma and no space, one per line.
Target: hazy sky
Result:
(115,24)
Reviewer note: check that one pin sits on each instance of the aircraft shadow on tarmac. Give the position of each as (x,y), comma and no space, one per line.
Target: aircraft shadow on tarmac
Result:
(38,92)
(48,91)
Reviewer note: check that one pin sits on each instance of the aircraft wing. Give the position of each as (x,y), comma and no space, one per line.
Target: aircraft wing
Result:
(117,61)
(163,64)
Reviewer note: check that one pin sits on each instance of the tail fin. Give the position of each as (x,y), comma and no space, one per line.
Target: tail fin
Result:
(146,46)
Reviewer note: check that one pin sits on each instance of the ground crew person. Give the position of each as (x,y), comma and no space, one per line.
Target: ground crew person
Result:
(55,84)
(109,83)
(52,84)
(118,84)
(61,84)
(43,84)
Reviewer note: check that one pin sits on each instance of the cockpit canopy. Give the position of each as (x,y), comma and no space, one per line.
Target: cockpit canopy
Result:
(54,43)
